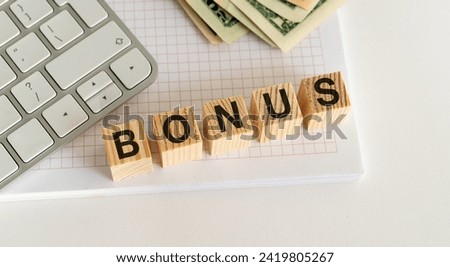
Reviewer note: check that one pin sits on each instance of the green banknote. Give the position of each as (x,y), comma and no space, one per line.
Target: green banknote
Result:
(284,32)
(305,4)
(209,34)
(227,27)
(288,10)
(237,13)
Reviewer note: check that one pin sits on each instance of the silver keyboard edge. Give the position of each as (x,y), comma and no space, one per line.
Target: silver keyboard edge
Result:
(93,118)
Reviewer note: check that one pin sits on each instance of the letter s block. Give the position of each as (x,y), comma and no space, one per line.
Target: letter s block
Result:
(277,110)
(127,150)
(178,137)
(226,125)
(323,100)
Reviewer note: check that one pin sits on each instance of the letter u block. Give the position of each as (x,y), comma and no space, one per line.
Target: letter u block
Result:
(323,100)
(277,110)
(178,137)
(226,125)
(127,150)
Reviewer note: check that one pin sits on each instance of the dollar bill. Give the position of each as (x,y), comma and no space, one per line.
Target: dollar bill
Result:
(284,32)
(237,13)
(305,4)
(227,27)
(201,25)
(287,10)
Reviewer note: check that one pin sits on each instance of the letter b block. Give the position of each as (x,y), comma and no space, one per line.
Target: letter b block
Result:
(226,125)
(178,137)
(277,110)
(127,150)
(323,100)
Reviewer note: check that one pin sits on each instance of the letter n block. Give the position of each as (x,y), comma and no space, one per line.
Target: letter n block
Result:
(323,100)
(226,125)
(178,137)
(277,110)
(127,150)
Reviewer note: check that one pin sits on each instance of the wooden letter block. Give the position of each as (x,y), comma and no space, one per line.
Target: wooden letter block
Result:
(323,100)
(178,137)
(277,110)
(226,125)
(127,150)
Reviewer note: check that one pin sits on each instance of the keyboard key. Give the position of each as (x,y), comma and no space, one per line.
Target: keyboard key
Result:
(30,140)
(61,30)
(94,85)
(28,52)
(132,68)
(10,116)
(65,116)
(103,99)
(8,30)
(56,79)
(7,165)
(33,92)
(95,50)
(90,11)
(7,76)
(30,12)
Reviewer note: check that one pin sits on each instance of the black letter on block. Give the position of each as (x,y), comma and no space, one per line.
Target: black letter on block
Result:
(287,105)
(129,142)
(168,134)
(221,112)
(332,92)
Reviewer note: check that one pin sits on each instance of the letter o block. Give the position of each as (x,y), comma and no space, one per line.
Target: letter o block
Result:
(323,100)
(226,125)
(178,137)
(277,110)
(127,150)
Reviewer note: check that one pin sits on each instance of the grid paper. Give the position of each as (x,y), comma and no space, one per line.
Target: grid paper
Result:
(193,72)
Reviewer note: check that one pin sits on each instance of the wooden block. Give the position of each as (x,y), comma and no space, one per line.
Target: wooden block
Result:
(277,110)
(127,150)
(226,125)
(178,137)
(322,95)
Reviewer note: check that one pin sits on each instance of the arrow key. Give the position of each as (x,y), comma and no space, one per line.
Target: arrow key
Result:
(104,98)
(132,68)
(65,116)
(94,85)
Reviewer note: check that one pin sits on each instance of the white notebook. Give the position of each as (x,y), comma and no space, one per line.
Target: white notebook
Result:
(193,72)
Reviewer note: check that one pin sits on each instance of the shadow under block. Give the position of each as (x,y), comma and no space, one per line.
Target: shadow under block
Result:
(277,110)
(226,125)
(323,100)
(128,150)
(178,137)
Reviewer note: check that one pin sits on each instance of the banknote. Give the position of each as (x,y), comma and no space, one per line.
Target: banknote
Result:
(287,10)
(237,13)
(305,4)
(284,32)
(201,25)
(227,27)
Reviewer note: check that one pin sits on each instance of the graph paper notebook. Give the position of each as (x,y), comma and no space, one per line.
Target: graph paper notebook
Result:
(193,72)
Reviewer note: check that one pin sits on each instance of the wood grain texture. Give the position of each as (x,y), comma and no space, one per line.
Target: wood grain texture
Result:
(269,127)
(310,100)
(139,164)
(173,153)
(234,137)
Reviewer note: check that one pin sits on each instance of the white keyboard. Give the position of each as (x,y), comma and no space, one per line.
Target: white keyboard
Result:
(64,64)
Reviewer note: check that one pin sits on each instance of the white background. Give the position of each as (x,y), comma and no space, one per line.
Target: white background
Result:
(398,58)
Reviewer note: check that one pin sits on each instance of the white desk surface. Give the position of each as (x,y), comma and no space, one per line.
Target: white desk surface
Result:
(398,57)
